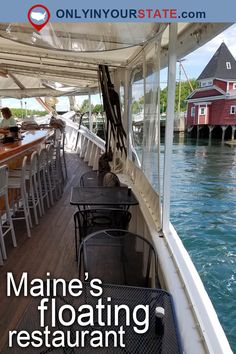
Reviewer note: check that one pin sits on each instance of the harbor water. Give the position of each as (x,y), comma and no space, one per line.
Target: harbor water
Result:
(203,211)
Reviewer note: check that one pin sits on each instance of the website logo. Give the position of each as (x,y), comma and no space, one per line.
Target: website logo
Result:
(38,16)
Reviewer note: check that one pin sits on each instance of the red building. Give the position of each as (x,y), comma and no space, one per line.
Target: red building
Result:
(214,102)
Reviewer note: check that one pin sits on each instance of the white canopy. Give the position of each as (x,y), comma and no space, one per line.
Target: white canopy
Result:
(62,58)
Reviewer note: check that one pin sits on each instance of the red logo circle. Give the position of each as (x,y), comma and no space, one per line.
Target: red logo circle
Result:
(35,17)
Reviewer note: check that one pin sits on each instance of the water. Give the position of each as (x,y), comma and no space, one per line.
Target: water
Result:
(203,211)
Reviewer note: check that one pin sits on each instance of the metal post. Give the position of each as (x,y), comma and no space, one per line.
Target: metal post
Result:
(127,118)
(25,109)
(144,109)
(169,130)
(179,105)
(22,112)
(158,127)
(90,114)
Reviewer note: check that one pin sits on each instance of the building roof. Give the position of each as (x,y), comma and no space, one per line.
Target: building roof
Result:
(210,91)
(221,66)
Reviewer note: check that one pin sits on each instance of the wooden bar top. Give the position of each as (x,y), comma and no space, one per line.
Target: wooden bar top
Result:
(30,139)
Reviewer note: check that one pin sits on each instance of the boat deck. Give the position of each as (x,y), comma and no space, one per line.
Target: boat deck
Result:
(50,249)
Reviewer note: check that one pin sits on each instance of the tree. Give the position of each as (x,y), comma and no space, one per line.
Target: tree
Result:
(163,100)
(98,108)
(185,92)
(21,113)
(136,108)
(85,106)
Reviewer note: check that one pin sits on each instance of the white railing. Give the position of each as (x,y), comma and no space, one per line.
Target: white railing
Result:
(200,329)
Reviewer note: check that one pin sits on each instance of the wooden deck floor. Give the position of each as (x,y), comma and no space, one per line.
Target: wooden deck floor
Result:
(50,249)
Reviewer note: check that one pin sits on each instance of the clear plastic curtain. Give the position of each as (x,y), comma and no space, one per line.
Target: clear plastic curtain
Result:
(144,112)
(82,37)
(151,122)
(137,112)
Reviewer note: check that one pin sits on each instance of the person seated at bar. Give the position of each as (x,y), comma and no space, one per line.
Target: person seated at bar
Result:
(7,121)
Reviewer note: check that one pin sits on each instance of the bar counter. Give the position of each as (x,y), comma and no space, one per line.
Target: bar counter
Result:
(32,140)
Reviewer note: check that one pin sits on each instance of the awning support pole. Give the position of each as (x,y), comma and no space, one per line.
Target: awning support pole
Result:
(144,109)
(90,114)
(127,119)
(169,128)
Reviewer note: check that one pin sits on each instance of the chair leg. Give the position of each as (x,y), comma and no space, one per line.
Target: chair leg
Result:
(50,186)
(26,202)
(59,179)
(13,236)
(80,261)
(26,208)
(46,187)
(41,193)
(32,196)
(2,244)
(35,186)
(76,246)
(1,260)
(65,167)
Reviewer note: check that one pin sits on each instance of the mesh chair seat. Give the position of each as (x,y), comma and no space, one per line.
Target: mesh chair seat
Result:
(90,220)
(118,257)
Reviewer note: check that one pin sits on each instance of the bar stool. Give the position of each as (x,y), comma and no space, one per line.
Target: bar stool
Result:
(60,139)
(43,178)
(50,174)
(8,224)
(19,183)
(31,176)
(33,193)
(62,147)
(57,174)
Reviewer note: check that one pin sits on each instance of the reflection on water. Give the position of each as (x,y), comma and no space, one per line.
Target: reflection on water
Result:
(203,211)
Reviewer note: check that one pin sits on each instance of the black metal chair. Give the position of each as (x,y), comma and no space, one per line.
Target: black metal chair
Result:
(96,178)
(118,257)
(90,220)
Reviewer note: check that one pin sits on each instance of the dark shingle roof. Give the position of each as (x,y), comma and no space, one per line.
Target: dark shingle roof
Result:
(217,67)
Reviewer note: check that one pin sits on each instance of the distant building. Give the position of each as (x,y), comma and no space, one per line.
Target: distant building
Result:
(214,102)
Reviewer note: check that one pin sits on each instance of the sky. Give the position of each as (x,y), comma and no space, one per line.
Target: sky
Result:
(193,64)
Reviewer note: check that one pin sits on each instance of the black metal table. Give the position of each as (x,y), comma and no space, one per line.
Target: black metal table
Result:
(107,196)
(161,337)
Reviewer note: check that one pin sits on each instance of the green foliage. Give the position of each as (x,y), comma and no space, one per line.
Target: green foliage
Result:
(136,107)
(98,108)
(184,93)
(21,113)
(85,106)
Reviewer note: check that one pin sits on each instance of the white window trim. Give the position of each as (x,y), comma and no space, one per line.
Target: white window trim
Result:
(233,108)
(234,85)
(202,114)
(193,110)
(228,65)
(207,83)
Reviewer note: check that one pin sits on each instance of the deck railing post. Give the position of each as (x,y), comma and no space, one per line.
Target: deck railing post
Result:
(169,128)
